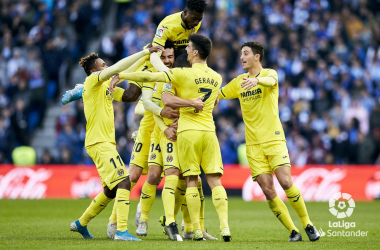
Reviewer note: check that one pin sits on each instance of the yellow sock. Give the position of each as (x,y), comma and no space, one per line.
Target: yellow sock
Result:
(168,198)
(296,201)
(279,209)
(132,185)
(122,209)
(180,193)
(193,205)
(219,198)
(97,205)
(113,218)
(148,194)
(202,211)
(188,226)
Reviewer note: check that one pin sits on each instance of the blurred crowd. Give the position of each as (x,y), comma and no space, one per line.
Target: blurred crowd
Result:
(39,42)
(326,54)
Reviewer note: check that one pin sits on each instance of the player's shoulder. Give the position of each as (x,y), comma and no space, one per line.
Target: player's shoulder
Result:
(170,20)
(269,71)
(241,76)
(93,77)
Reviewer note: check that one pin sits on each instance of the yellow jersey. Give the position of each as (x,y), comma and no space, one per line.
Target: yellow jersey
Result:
(167,88)
(157,98)
(259,108)
(190,83)
(173,28)
(98,109)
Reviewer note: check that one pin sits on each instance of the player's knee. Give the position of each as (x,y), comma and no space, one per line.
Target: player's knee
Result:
(125,184)
(110,193)
(286,183)
(269,192)
(154,178)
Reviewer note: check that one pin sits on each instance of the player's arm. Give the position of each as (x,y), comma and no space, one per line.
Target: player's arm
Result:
(149,105)
(157,63)
(230,91)
(137,64)
(126,63)
(170,132)
(139,109)
(130,95)
(173,101)
(143,76)
(267,81)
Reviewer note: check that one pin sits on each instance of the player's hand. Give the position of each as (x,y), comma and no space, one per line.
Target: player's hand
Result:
(171,134)
(249,83)
(198,103)
(113,83)
(174,124)
(156,49)
(169,113)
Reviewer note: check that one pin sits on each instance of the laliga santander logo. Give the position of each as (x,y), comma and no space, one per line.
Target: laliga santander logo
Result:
(341,210)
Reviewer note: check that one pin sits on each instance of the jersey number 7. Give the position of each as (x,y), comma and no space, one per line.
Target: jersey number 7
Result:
(207,95)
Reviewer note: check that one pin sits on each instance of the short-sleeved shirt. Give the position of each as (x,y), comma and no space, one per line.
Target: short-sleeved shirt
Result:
(98,109)
(259,108)
(190,83)
(172,28)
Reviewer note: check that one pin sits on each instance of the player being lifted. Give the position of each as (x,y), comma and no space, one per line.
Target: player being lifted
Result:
(197,141)
(100,141)
(267,153)
(176,28)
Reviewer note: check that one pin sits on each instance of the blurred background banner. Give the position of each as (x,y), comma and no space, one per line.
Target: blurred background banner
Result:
(316,182)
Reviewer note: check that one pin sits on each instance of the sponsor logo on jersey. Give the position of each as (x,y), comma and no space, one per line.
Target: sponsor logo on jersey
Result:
(169,158)
(120,172)
(109,95)
(160,32)
(250,93)
(180,42)
(277,132)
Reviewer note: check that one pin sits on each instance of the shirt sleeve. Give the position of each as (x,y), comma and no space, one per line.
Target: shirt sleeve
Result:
(118,94)
(143,67)
(230,91)
(168,88)
(162,34)
(174,76)
(272,73)
(148,85)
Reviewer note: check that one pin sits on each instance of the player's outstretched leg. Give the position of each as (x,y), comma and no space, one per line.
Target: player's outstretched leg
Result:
(168,199)
(296,201)
(277,206)
(97,205)
(122,211)
(220,201)
(73,94)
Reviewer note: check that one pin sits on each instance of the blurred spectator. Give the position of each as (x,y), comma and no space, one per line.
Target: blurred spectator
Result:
(47,158)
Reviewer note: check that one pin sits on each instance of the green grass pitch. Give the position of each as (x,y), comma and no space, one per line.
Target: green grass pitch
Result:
(45,224)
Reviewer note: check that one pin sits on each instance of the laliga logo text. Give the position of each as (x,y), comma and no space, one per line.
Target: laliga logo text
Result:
(341,206)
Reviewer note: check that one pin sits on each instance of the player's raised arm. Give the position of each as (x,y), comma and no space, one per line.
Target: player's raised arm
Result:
(157,63)
(143,76)
(126,62)
(230,91)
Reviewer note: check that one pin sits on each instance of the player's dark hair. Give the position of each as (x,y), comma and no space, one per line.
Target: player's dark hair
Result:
(202,44)
(256,48)
(182,62)
(88,62)
(169,44)
(196,5)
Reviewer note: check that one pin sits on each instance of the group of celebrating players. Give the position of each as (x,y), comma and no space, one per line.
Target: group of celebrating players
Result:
(177,137)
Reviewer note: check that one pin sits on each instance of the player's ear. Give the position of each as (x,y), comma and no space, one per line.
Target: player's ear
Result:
(185,12)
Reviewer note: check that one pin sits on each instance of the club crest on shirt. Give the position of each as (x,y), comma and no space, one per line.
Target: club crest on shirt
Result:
(160,32)
(153,156)
(169,158)
(120,172)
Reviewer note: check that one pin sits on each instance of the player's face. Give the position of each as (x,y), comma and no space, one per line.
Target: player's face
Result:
(248,58)
(192,18)
(167,57)
(99,65)
(190,52)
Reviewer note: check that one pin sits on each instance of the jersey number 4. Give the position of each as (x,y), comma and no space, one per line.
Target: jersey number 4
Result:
(207,95)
